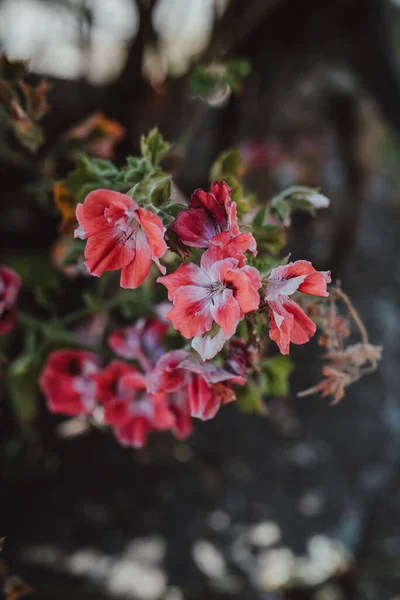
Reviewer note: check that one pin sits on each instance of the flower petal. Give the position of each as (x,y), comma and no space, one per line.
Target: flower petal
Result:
(186,274)
(134,273)
(154,230)
(195,227)
(191,311)
(91,214)
(108,251)
(226,312)
(208,345)
(245,292)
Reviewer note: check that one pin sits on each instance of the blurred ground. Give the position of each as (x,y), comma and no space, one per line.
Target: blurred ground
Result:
(247,504)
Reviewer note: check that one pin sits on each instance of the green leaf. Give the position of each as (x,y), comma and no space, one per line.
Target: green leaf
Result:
(154,190)
(135,170)
(291,200)
(227,163)
(260,216)
(153,147)
(277,371)
(90,174)
(250,399)
(22,378)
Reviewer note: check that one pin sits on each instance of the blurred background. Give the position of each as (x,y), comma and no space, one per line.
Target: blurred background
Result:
(305,502)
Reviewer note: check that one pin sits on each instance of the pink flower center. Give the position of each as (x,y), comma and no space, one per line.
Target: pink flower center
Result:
(124,221)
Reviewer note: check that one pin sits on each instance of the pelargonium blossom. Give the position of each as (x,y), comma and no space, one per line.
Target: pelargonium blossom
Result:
(120,235)
(288,321)
(192,385)
(218,292)
(10,284)
(128,407)
(141,341)
(67,381)
(211,220)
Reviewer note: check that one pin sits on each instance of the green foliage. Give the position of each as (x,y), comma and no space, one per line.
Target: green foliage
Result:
(228,167)
(271,380)
(153,147)
(250,399)
(291,200)
(149,185)
(22,376)
(23,104)
(205,80)
(277,371)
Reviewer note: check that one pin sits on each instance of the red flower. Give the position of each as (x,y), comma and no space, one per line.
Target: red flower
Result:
(67,381)
(238,357)
(289,323)
(218,291)
(120,235)
(128,407)
(211,220)
(10,283)
(141,341)
(199,388)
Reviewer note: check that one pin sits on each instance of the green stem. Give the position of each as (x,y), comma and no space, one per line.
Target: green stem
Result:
(32,322)
(85,312)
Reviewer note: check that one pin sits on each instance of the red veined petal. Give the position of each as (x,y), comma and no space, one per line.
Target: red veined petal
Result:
(191,311)
(134,273)
(186,274)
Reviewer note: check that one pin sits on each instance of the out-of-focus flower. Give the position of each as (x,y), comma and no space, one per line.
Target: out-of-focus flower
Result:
(120,235)
(268,154)
(142,341)
(100,133)
(237,358)
(211,220)
(67,381)
(128,407)
(66,204)
(10,284)
(200,387)
(219,291)
(61,250)
(288,321)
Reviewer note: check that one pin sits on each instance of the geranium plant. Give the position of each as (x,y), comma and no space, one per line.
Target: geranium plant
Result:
(186,304)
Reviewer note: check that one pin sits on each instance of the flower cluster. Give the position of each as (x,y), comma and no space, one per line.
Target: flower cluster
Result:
(147,388)
(211,298)
(149,391)
(10,284)
(232,302)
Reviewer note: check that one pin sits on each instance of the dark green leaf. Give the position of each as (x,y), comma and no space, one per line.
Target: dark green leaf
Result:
(22,378)
(250,399)
(278,370)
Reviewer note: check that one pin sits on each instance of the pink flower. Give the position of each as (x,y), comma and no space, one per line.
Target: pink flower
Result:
(10,284)
(219,291)
(120,235)
(128,407)
(288,322)
(67,381)
(211,220)
(199,388)
(141,341)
